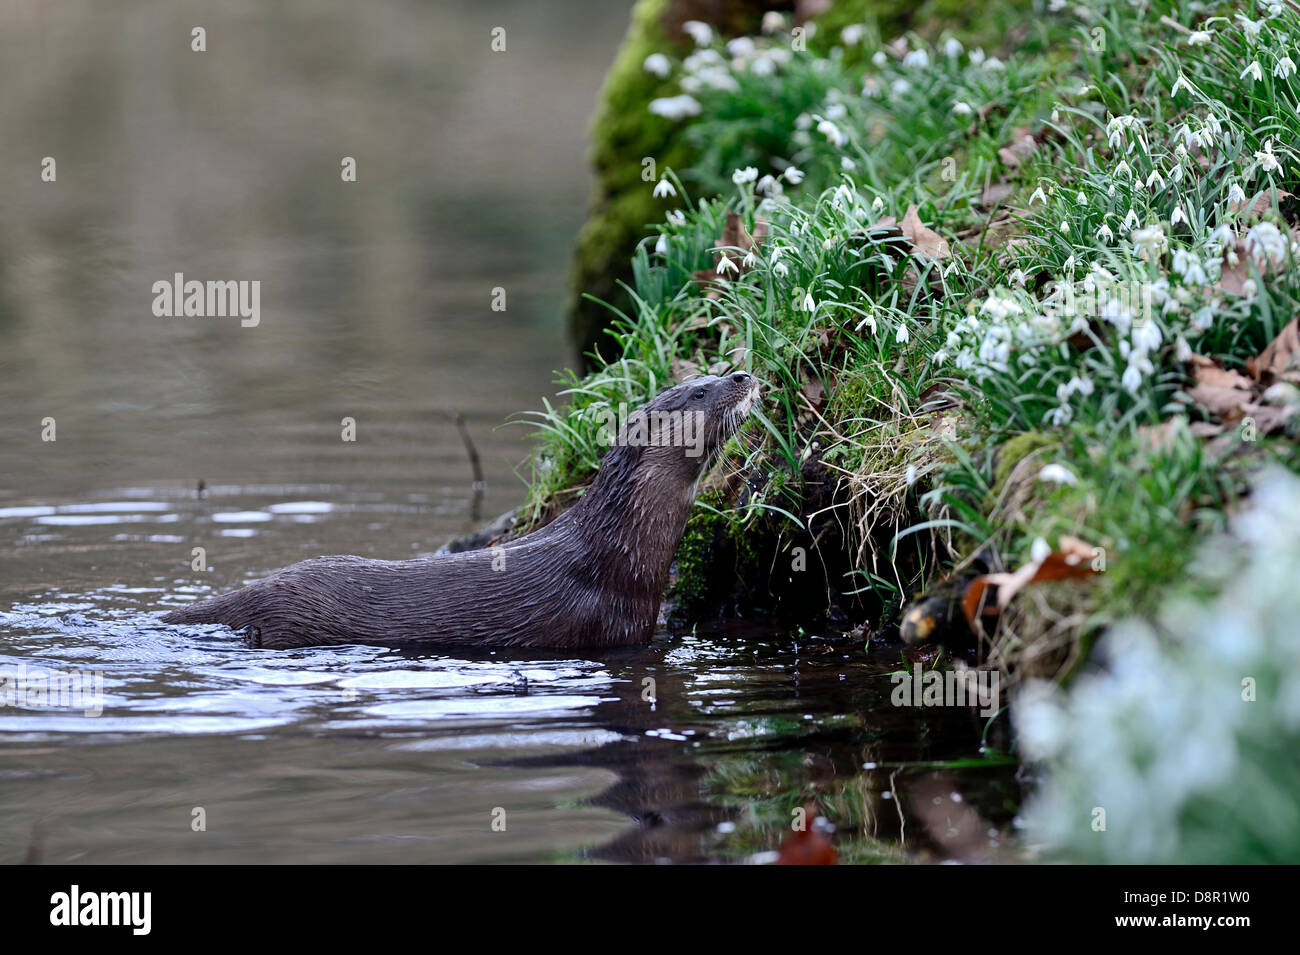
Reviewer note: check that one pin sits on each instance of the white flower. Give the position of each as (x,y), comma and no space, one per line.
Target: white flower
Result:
(726,265)
(1124,168)
(677,217)
(1057,474)
(661,246)
(1146,336)
(773,22)
(1131,380)
(664,189)
(742,176)
(792,175)
(742,47)
(1039,550)
(951,48)
(1250,28)
(1267,161)
(977,56)
(675,107)
(917,58)
(879,58)
(993,64)
(852,34)
(1179,84)
(1254,70)
(899,87)
(847,164)
(961,109)
(1154,180)
(1177,217)
(1200,38)
(832,133)
(657,64)
(1284,68)
(1236,193)
(902,335)
(1131,220)
(877,205)
(781,269)
(769,186)
(1105,234)
(1065,227)
(750,260)
(1038,196)
(808,304)
(700,32)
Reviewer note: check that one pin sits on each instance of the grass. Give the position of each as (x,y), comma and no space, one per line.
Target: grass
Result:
(904,383)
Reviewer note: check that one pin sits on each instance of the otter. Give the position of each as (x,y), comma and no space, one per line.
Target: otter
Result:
(593,577)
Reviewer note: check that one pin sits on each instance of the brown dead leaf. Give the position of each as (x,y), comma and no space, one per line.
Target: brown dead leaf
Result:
(1280,361)
(809,845)
(1021,147)
(1070,561)
(925,241)
(1254,208)
(1219,391)
(814,392)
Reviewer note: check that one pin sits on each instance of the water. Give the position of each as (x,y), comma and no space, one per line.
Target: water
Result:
(375,308)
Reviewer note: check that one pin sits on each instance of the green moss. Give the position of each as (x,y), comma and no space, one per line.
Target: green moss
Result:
(1015,450)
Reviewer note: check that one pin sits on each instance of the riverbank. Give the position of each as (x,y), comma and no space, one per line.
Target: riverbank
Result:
(1020,306)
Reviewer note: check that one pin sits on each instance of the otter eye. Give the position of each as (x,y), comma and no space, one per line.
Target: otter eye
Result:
(699,393)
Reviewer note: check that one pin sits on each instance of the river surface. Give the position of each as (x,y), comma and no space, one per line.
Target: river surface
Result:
(376,324)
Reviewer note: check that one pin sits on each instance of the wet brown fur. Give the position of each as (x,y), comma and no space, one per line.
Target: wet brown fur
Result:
(593,577)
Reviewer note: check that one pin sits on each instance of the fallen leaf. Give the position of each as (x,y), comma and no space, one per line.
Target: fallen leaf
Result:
(807,846)
(1280,361)
(1070,561)
(1021,147)
(734,244)
(1254,208)
(924,240)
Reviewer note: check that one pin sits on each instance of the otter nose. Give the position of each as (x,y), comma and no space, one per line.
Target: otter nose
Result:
(741,377)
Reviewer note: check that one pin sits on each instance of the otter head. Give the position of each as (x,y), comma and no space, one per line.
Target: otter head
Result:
(684,427)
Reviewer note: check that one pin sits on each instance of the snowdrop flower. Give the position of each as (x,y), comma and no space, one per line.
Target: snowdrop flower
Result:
(792,175)
(675,107)
(832,133)
(741,47)
(725,265)
(960,108)
(1065,227)
(1131,380)
(977,56)
(852,34)
(742,176)
(952,48)
(1017,277)
(1082,199)
(781,269)
(1131,220)
(836,111)
(700,32)
(750,260)
(847,164)
(1180,84)
(677,217)
(1154,180)
(1236,193)
(1105,234)
(1177,217)
(661,246)
(900,87)
(1199,37)
(773,22)
(868,321)
(808,304)
(1285,67)
(1146,336)
(879,58)
(1264,241)
(993,64)
(1038,196)
(1124,168)
(901,336)
(1250,28)
(1267,161)
(917,58)
(1149,239)
(657,64)
(769,185)
(664,189)
(1254,70)
(877,205)
(1057,474)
